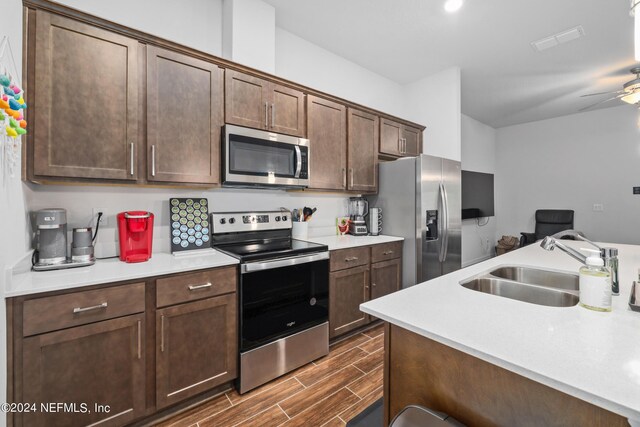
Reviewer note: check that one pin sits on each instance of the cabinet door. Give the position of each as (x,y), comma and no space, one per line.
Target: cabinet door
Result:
(327,133)
(390,137)
(184,118)
(97,364)
(347,290)
(386,277)
(246,100)
(287,111)
(85,101)
(362,142)
(412,138)
(196,348)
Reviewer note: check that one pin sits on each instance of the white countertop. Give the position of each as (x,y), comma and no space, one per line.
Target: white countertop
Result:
(349,241)
(591,355)
(109,271)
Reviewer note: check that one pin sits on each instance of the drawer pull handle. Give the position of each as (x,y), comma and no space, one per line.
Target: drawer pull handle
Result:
(196,287)
(373,284)
(353,258)
(387,252)
(94,307)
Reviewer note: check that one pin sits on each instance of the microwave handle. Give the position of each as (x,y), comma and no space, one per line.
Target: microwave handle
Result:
(299,162)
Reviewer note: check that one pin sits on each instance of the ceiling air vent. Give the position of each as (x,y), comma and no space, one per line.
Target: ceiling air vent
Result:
(559,38)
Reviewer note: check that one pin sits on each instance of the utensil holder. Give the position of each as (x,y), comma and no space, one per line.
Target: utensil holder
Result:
(300,230)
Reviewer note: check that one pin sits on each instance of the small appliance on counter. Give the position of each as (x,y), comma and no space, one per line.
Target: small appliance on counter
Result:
(135,232)
(51,242)
(358,209)
(375,221)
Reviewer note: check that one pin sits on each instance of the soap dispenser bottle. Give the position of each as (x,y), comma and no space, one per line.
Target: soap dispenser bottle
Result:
(595,283)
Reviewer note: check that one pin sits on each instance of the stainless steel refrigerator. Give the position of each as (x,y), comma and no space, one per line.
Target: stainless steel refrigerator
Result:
(420,201)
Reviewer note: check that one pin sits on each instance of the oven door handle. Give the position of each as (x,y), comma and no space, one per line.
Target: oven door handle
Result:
(282,262)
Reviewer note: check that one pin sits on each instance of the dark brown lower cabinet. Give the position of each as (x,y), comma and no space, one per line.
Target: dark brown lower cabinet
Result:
(386,277)
(95,370)
(347,290)
(196,348)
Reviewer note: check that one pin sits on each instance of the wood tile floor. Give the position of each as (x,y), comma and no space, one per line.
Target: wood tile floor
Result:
(327,392)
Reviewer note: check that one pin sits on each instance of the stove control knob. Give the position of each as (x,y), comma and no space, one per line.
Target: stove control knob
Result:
(232,220)
(277,218)
(284,217)
(223,221)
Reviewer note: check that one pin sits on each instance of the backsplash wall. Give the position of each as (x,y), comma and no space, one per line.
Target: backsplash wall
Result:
(81,200)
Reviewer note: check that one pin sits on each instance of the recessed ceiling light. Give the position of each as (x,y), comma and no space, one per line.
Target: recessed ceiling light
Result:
(453,5)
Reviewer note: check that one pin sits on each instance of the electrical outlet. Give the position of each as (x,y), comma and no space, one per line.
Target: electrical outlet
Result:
(598,207)
(104,219)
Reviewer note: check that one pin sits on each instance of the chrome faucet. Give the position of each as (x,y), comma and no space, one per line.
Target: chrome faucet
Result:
(577,235)
(549,243)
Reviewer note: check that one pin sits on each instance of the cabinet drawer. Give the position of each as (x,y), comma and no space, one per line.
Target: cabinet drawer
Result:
(195,286)
(347,258)
(79,308)
(386,251)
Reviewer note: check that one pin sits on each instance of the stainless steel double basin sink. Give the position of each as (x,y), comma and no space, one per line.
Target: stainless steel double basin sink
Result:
(532,285)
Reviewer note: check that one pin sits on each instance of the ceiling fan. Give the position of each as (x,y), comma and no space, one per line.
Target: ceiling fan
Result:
(630,92)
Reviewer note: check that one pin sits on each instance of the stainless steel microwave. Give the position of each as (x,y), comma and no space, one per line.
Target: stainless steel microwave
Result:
(257,158)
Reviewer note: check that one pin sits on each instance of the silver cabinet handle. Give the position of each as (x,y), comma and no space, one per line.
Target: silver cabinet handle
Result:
(196,287)
(93,307)
(273,115)
(353,258)
(351,172)
(139,339)
(374,285)
(162,334)
(344,177)
(387,253)
(153,160)
(132,159)
(266,114)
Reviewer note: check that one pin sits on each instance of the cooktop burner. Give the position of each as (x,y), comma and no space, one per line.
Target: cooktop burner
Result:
(258,250)
(251,236)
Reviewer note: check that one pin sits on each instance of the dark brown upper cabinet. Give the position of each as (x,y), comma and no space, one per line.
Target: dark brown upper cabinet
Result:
(399,140)
(84,101)
(184,118)
(327,133)
(362,155)
(253,102)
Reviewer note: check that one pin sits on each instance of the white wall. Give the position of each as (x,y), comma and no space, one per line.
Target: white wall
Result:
(194,23)
(306,63)
(435,102)
(572,162)
(479,155)
(249,33)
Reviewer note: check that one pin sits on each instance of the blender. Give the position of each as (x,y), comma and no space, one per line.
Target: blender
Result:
(358,209)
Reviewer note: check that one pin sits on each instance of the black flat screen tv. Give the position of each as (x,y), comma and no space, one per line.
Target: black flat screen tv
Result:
(477,195)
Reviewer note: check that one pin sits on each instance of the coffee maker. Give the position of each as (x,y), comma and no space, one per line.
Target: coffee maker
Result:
(51,242)
(358,209)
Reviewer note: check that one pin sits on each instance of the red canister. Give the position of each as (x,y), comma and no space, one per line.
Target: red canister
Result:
(135,232)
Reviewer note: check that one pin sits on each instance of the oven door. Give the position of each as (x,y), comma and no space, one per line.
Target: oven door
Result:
(260,158)
(281,297)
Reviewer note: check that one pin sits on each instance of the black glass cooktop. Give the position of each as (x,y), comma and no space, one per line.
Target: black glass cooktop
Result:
(267,249)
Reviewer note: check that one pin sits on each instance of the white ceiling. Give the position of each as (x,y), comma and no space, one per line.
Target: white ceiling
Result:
(504,81)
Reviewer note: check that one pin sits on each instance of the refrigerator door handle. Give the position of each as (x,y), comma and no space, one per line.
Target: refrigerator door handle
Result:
(441,223)
(445,242)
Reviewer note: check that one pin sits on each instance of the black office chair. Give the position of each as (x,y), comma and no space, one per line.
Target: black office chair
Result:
(548,222)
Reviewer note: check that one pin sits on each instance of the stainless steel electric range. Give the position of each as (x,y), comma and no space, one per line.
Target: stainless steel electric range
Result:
(283,294)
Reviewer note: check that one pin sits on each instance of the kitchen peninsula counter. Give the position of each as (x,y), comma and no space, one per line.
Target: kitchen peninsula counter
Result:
(592,356)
